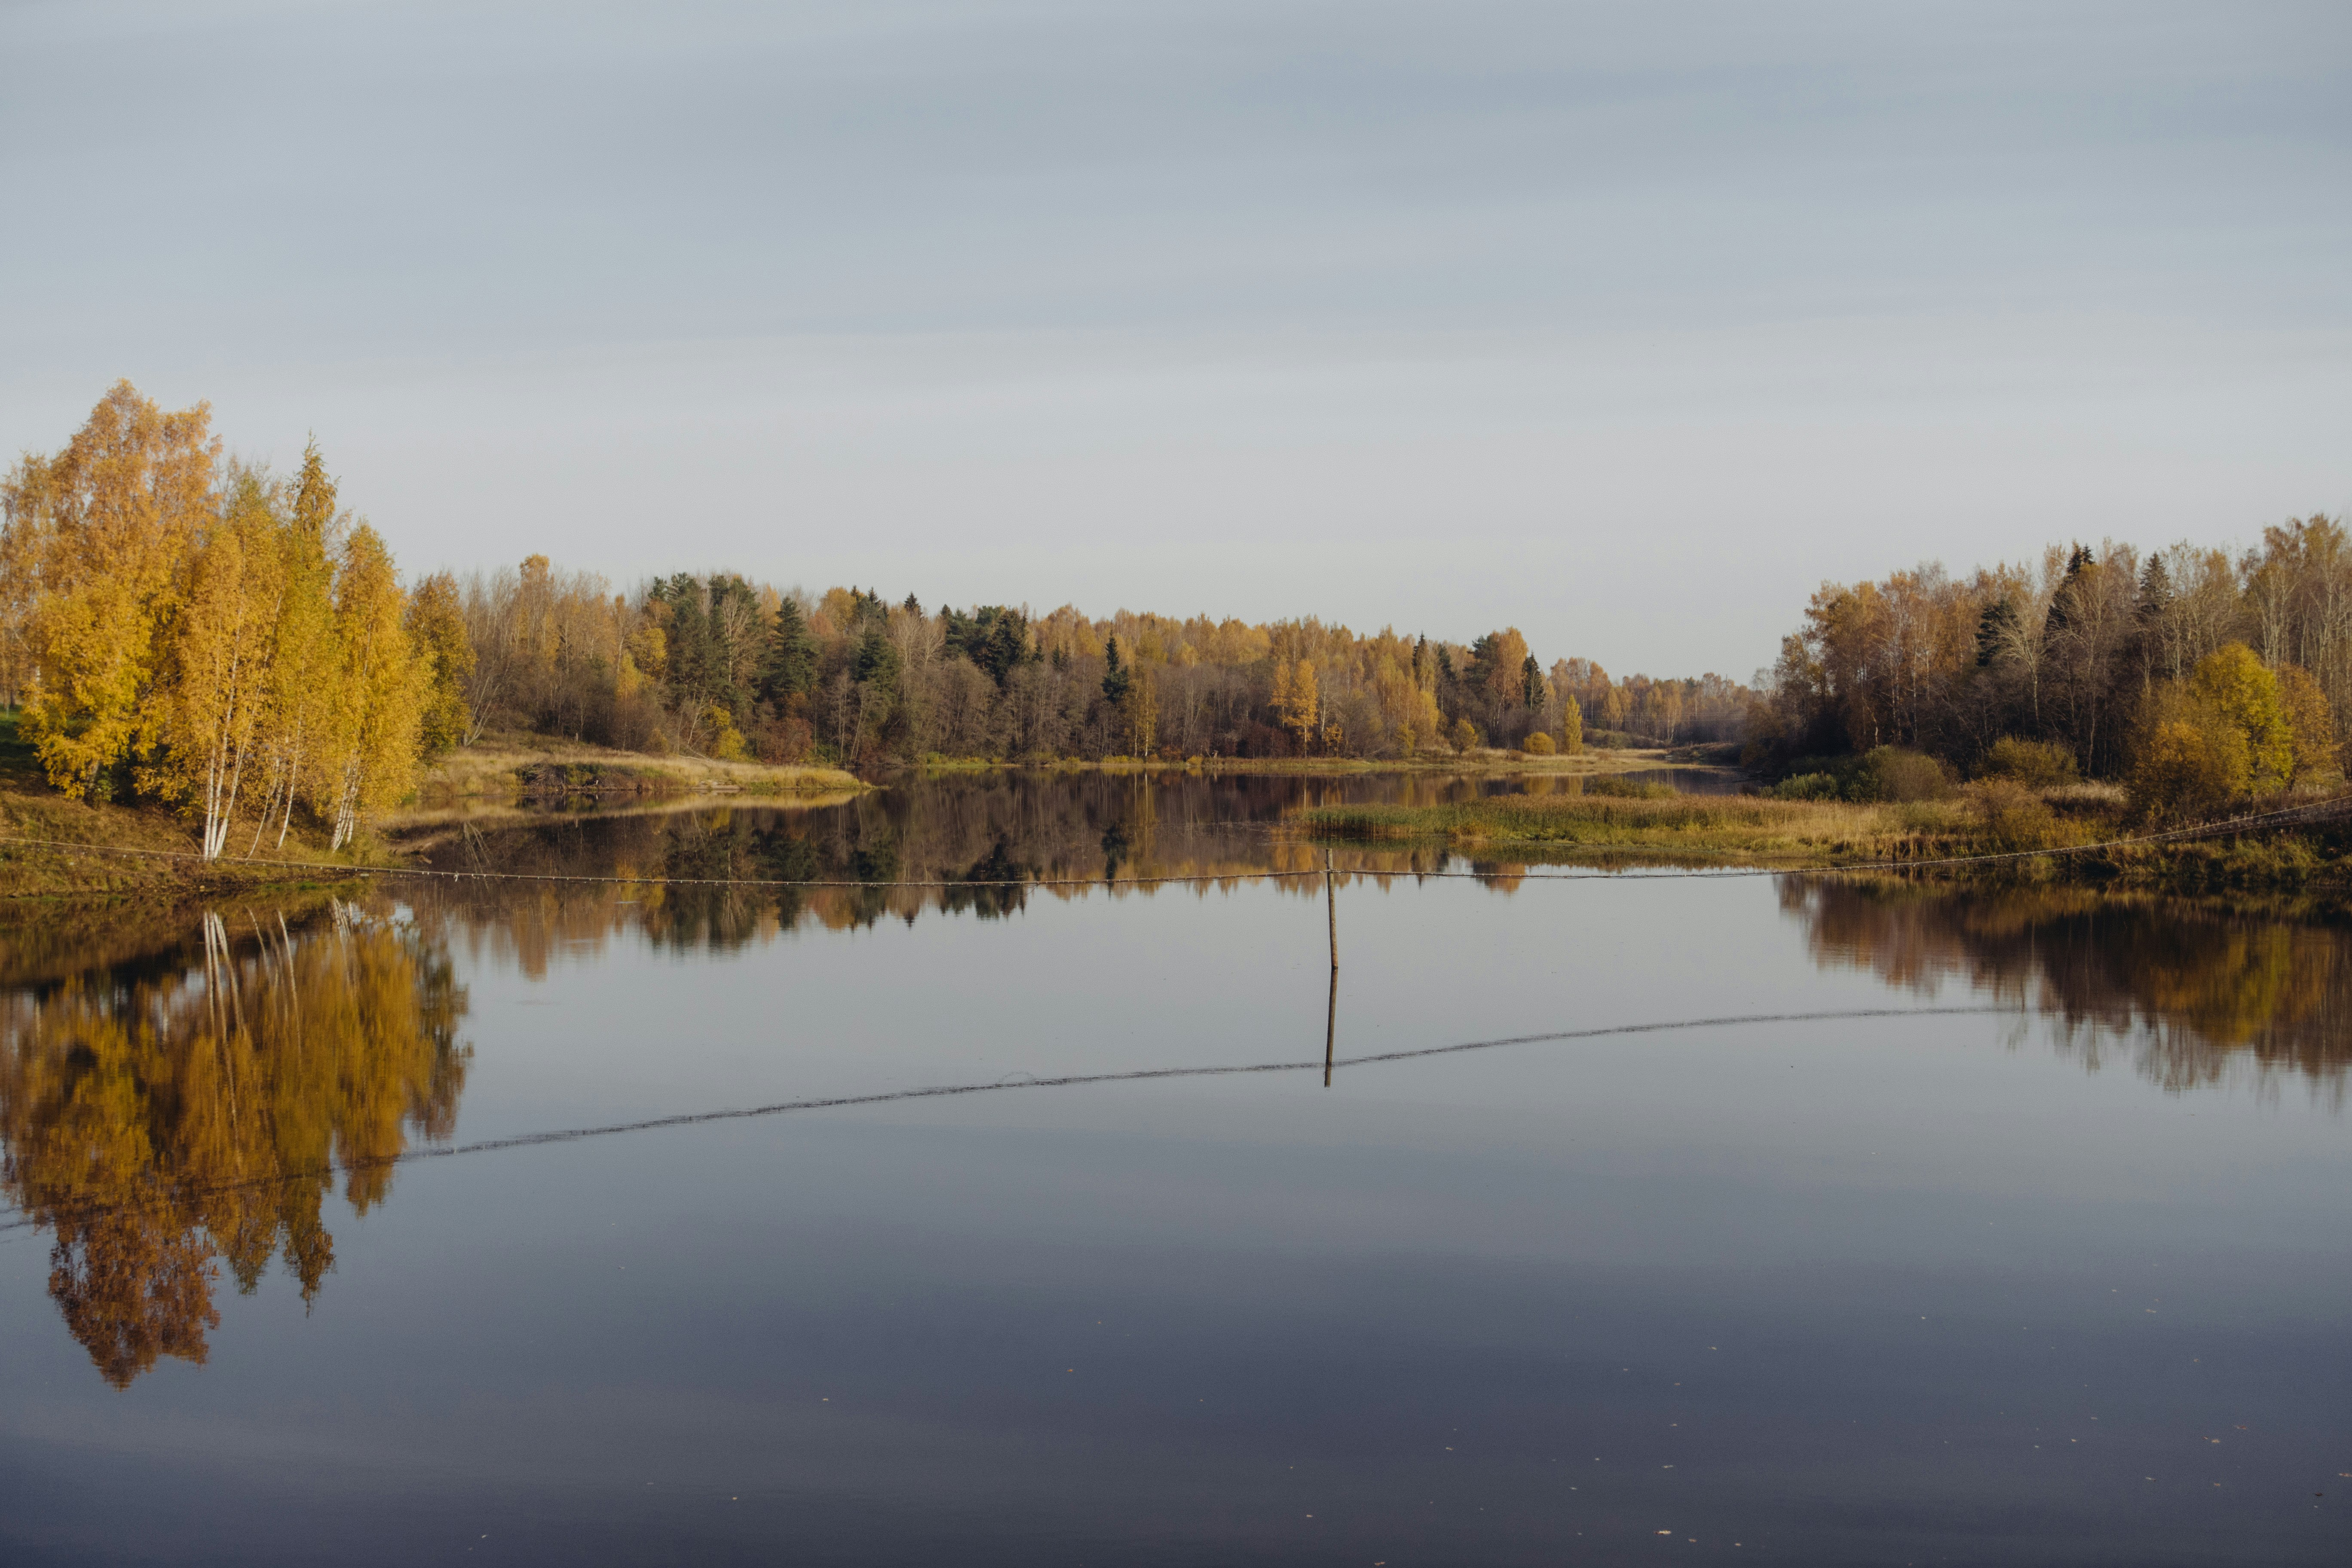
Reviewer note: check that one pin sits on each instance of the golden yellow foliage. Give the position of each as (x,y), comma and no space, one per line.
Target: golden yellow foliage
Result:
(380,691)
(1296,699)
(726,739)
(2311,724)
(106,527)
(436,627)
(2233,683)
(190,1114)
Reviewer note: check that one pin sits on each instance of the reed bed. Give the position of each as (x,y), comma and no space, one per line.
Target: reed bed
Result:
(1721,830)
(1729,827)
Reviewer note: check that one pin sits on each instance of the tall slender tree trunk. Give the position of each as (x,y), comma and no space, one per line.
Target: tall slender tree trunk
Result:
(293,770)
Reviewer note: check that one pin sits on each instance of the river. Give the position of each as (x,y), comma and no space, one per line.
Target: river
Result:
(1005,1204)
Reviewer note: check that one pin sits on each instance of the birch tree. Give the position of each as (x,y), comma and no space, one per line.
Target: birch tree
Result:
(379,697)
(205,723)
(109,520)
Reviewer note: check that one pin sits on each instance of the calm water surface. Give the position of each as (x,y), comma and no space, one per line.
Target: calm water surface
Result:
(2050,1266)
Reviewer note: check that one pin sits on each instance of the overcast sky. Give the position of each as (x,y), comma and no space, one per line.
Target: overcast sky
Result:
(1624,324)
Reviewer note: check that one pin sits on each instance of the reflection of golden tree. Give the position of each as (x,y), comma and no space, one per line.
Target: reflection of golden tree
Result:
(168,1115)
(2189,991)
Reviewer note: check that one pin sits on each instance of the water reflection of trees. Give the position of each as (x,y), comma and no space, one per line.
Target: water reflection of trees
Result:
(2190,995)
(966,835)
(192,1107)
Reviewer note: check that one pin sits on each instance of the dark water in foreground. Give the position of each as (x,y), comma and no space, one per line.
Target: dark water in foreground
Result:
(2051,1270)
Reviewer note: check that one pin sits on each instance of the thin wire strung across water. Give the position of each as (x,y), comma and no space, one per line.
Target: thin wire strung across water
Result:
(2289,816)
(954,1090)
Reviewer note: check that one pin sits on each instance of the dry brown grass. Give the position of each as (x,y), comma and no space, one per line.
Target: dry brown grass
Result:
(1735,828)
(507,766)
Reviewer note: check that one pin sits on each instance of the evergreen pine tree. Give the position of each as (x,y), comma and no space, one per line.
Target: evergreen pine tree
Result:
(2155,589)
(1994,628)
(1116,678)
(790,668)
(2062,603)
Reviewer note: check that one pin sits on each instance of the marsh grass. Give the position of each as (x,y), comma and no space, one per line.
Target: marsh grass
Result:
(1730,827)
(1760,830)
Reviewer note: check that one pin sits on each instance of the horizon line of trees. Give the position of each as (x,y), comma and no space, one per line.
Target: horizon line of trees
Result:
(181,626)
(2193,676)
(724,667)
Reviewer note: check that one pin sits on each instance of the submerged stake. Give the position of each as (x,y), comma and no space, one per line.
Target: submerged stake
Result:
(1331,1025)
(1331,906)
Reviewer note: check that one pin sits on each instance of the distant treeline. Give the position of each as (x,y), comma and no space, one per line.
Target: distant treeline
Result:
(181,626)
(729,668)
(2195,677)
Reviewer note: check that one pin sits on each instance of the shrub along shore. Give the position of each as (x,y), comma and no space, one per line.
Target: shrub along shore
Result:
(1999,816)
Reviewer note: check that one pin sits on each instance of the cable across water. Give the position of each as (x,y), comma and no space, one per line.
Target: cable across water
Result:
(993,1085)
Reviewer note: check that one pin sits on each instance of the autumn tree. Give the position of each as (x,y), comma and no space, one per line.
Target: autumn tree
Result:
(380,691)
(204,726)
(2233,683)
(1297,700)
(1141,711)
(106,528)
(298,709)
(2187,760)
(2310,724)
(436,628)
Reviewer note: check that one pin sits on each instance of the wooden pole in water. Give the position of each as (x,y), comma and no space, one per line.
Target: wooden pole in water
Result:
(1331,907)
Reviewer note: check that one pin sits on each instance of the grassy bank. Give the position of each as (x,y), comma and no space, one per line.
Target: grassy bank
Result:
(29,808)
(512,766)
(1753,830)
(1479,761)
(1732,828)
(418,828)
(158,872)
(139,854)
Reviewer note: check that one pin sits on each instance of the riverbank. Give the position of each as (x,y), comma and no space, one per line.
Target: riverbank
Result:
(1483,761)
(1759,831)
(144,853)
(515,767)
(76,850)
(136,852)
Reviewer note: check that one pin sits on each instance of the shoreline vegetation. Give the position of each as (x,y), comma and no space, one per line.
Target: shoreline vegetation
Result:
(186,635)
(530,766)
(1484,762)
(524,778)
(1768,833)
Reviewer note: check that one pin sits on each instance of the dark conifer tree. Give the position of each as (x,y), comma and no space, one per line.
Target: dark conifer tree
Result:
(2155,590)
(790,668)
(2062,603)
(1994,627)
(1116,680)
(877,658)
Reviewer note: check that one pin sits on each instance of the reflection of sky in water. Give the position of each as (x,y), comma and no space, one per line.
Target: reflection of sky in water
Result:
(1819,1287)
